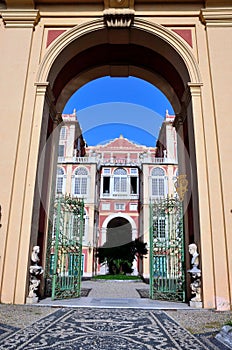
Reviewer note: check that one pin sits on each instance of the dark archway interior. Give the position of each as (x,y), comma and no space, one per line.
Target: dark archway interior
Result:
(119,55)
(119,232)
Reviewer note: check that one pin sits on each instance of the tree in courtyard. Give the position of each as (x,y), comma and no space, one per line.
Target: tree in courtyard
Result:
(120,258)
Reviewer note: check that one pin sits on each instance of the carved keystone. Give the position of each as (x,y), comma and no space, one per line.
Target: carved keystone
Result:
(119,13)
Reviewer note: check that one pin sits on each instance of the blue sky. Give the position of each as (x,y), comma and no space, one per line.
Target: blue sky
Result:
(108,107)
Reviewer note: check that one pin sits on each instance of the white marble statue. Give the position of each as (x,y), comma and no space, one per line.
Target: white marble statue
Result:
(35,271)
(34,254)
(196,276)
(196,289)
(194,253)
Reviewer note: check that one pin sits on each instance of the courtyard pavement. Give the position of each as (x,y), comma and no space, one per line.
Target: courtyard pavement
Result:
(112,317)
(111,294)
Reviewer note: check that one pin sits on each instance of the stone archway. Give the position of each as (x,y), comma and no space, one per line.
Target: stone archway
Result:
(95,51)
(148,51)
(124,219)
(118,232)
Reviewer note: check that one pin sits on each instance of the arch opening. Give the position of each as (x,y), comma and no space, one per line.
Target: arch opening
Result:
(119,232)
(136,52)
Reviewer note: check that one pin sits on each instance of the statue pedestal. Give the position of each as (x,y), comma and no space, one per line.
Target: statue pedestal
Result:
(32,300)
(195,304)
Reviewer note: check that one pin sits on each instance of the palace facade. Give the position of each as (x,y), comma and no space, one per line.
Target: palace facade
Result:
(117,181)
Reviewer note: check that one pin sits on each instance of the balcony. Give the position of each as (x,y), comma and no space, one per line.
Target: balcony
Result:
(119,195)
(136,162)
(142,159)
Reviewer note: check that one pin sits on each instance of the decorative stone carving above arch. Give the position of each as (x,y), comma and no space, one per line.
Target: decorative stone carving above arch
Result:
(119,13)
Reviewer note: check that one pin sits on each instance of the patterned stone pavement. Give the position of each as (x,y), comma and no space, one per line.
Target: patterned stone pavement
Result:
(102,329)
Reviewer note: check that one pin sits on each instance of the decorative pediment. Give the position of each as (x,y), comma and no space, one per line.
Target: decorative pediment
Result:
(119,13)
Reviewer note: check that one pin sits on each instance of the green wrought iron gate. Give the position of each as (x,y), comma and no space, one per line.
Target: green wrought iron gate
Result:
(167,276)
(64,250)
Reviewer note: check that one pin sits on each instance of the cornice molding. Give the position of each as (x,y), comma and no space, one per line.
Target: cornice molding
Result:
(216,17)
(20,18)
(195,88)
(41,88)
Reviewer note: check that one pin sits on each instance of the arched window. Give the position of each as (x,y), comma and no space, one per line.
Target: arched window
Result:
(80,181)
(60,185)
(120,180)
(158,182)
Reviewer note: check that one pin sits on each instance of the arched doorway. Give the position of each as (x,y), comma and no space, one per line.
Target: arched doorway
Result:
(117,245)
(119,232)
(147,51)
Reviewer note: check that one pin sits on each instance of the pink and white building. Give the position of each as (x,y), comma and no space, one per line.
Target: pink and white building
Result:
(117,181)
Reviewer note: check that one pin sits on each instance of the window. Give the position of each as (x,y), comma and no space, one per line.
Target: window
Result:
(106,184)
(120,180)
(63,133)
(133,185)
(61,151)
(119,206)
(134,171)
(133,206)
(105,206)
(80,181)
(106,171)
(60,181)
(158,182)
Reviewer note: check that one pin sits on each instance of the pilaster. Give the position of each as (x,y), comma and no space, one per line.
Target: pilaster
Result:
(212,241)
(218,24)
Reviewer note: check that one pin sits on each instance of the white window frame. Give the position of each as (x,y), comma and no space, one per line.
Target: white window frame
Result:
(105,206)
(120,182)
(158,183)
(120,206)
(63,133)
(134,171)
(83,182)
(133,206)
(58,178)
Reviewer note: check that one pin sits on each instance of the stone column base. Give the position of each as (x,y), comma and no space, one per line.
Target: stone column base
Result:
(32,300)
(195,304)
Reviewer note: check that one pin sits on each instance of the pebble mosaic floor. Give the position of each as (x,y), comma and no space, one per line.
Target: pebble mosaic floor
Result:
(104,329)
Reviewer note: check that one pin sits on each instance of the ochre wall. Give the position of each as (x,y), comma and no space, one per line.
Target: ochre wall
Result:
(26,37)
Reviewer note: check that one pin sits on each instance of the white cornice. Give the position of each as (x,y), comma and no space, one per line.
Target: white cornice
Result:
(216,16)
(20,18)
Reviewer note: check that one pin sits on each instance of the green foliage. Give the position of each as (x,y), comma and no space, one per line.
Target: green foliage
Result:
(120,259)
